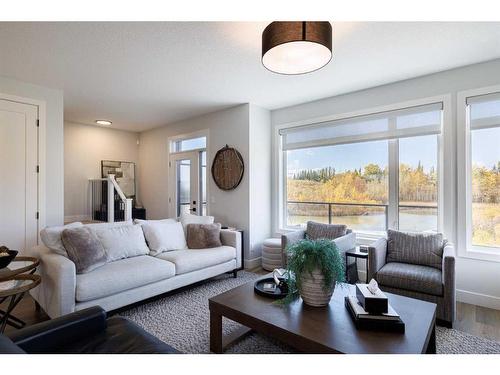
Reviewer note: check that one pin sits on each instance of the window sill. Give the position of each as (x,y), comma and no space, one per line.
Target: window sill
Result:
(484,254)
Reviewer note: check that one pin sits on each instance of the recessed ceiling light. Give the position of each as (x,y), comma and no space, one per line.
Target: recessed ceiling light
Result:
(296,47)
(103,122)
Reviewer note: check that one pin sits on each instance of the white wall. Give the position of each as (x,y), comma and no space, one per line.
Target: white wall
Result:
(225,127)
(260,178)
(84,148)
(476,279)
(54,138)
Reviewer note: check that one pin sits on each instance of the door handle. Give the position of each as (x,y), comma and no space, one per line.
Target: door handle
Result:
(192,209)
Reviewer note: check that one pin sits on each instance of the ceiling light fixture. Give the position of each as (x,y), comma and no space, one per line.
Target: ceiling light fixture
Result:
(296,47)
(103,122)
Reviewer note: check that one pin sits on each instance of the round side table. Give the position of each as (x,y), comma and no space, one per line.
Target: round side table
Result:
(15,280)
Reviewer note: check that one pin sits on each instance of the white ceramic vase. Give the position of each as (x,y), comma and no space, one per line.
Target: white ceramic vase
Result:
(312,291)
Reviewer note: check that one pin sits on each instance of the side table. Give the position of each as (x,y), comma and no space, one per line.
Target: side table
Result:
(15,280)
(356,254)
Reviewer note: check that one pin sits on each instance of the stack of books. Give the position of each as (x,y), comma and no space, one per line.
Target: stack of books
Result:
(389,321)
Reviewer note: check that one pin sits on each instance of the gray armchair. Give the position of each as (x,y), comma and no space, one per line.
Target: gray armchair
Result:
(420,266)
(344,242)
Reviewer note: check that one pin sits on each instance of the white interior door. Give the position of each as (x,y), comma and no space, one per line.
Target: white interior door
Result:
(185,183)
(18,175)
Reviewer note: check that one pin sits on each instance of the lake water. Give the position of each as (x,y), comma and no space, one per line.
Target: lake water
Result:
(411,222)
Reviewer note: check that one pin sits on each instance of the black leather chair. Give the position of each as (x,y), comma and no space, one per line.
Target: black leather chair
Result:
(87,331)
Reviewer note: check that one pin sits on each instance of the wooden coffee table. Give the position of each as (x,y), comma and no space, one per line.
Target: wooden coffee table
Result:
(321,330)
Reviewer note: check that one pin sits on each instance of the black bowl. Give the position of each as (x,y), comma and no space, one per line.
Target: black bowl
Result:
(5,260)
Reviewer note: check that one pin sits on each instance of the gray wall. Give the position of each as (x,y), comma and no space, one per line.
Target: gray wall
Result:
(54,141)
(476,279)
(226,127)
(84,148)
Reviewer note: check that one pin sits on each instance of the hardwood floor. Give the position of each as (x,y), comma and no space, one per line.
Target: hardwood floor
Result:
(476,320)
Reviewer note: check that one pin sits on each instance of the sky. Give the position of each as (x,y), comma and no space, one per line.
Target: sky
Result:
(357,155)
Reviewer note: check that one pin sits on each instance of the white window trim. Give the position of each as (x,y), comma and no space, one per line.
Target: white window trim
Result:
(171,151)
(464,209)
(446,192)
(186,136)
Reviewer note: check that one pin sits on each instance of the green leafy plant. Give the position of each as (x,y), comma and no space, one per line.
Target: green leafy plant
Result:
(305,256)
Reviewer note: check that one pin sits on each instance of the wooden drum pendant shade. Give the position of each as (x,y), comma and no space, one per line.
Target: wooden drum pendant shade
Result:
(291,47)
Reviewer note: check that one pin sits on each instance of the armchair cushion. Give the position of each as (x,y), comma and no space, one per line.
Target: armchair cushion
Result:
(412,277)
(424,249)
(316,231)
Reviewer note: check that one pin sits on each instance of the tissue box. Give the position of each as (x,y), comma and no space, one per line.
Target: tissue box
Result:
(373,303)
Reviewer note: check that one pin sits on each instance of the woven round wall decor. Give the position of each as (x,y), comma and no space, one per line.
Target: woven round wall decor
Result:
(227,168)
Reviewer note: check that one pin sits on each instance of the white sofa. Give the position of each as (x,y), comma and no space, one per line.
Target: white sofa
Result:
(129,280)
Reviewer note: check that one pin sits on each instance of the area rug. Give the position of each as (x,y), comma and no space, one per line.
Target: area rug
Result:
(182,321)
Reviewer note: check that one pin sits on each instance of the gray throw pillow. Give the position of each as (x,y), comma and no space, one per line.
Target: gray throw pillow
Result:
(424,249)
(203,236)
(84,249)
(317,231)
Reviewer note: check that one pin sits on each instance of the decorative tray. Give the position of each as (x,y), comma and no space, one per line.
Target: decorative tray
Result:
(276,294)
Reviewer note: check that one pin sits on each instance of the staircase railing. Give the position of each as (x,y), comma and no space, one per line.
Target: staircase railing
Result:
(107,200)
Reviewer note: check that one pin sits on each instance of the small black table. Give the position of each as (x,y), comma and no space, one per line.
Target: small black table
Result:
(356,254)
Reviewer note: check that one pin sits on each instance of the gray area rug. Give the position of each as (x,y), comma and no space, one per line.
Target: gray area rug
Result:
(182,321)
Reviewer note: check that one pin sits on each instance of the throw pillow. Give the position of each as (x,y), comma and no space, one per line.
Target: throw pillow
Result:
(164,236)
(100,226)
(203,236)
(51,237)
(425,249)
(141,222)
(186,219)
(84,249)
(316,231)
(121,242)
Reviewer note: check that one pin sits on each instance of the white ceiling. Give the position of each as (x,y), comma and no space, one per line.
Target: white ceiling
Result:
(144,75)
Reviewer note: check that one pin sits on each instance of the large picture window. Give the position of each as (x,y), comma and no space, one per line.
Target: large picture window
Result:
(370,172)
(483,121)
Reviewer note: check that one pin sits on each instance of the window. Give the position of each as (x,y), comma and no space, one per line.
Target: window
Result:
(190,144)
(483,126)
(370,172)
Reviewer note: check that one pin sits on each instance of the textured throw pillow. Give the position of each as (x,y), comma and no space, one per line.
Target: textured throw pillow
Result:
(121,242)
(51,237)
(425,249)
(203,236)
(186,219)
(317,231)
(84,249)
(164,236)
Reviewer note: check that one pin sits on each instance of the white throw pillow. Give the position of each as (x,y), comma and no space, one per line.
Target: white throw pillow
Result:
(186,219)
(100,226)
(121,242)
(51,237)
(142,222)
(163,236)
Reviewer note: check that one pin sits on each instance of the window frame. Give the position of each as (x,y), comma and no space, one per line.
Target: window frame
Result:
(464,168)
(444,172)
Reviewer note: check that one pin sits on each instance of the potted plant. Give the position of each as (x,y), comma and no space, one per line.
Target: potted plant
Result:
(314,267)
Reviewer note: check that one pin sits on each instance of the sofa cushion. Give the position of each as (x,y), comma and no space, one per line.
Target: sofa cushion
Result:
(122,275)
(164,236)
(99,226)
(412,277)
(123,242)
(186,219)
(84,249)
(425,249)
(142,222)
(203,236)
(51,237)
(192,260)
(316,231)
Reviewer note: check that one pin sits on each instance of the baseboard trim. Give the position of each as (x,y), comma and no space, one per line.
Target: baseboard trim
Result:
(73,218)
(250,264)
(478,299)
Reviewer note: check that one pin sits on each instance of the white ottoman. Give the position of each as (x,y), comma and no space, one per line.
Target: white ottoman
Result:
(271,254)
